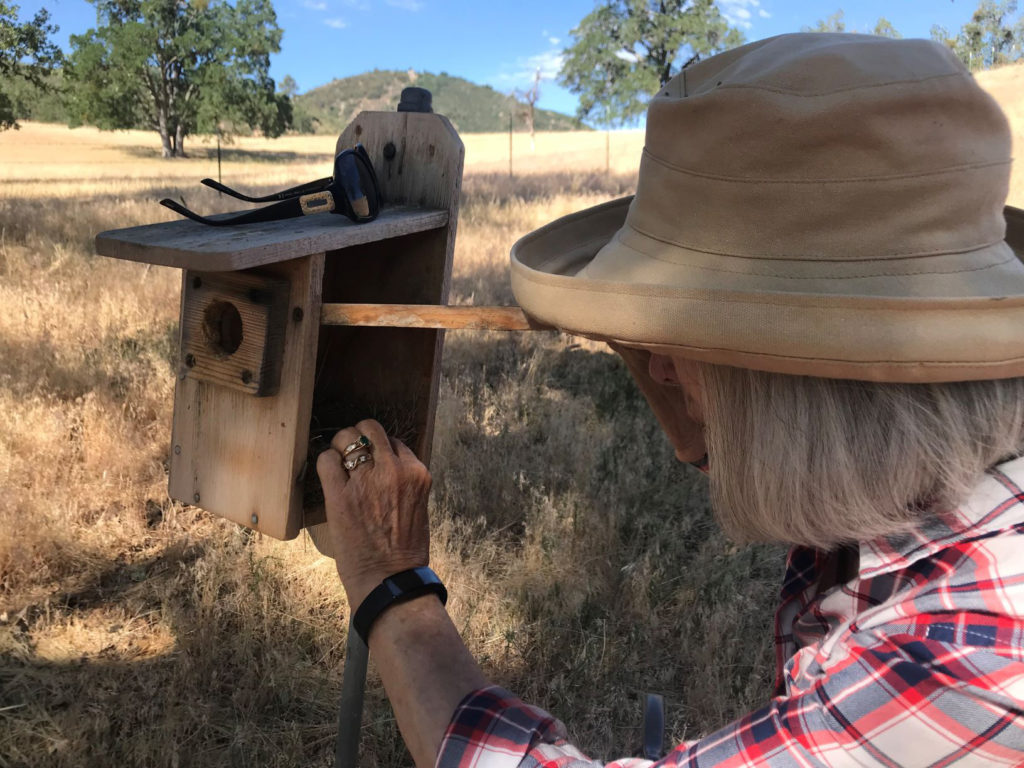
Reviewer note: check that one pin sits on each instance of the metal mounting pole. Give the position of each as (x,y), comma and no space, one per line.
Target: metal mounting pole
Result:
(350,711)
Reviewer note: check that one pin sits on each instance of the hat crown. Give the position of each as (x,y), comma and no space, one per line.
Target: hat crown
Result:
(822,63)
(825,146)
(812,204)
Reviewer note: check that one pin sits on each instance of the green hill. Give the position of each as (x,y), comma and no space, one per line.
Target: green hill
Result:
(472,108)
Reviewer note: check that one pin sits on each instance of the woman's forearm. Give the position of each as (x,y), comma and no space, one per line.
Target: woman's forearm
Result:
(378,522)
(426,669)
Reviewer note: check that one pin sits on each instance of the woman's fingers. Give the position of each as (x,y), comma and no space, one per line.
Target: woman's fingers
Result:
(373,430)
(402,451)
(328,467)
(347,441)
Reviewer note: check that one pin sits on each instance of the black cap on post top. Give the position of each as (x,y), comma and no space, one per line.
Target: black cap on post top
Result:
(415,100)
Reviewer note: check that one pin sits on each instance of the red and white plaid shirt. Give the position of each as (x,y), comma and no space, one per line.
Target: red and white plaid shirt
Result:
(918,661)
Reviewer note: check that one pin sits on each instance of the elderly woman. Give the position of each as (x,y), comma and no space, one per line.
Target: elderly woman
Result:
(813,290)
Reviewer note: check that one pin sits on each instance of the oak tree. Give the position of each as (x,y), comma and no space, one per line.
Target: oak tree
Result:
(625,50)
(990,39)
(178,67)
(27,58)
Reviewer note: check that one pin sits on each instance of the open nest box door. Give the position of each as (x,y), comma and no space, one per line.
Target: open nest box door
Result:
(262,385)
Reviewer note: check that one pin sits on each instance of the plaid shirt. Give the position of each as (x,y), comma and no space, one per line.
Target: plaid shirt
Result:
(918,661)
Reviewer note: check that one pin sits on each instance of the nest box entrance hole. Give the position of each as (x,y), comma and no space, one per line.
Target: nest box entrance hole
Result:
(222,326)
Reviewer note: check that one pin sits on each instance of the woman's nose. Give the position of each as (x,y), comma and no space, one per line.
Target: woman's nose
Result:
(661,370)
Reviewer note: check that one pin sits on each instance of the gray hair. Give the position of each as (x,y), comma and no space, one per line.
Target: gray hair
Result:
(823,462)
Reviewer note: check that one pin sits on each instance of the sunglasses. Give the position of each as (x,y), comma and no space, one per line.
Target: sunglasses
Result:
(352,191)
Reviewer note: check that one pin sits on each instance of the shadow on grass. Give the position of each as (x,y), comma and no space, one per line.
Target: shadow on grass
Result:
(549,451)
(110,367)
(233,690)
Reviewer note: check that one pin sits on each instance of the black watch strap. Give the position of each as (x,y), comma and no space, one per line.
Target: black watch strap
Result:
(394,589)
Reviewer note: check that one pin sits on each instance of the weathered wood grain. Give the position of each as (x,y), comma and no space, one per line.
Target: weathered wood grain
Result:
(428,316)
(243,457)
(261,306)
(191,245)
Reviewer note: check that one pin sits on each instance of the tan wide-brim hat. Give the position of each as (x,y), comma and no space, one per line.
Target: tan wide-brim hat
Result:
(817,204)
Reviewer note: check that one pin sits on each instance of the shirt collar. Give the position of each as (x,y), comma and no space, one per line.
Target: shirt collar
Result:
(996,504)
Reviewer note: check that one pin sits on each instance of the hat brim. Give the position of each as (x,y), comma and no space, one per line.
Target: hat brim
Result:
(948,317)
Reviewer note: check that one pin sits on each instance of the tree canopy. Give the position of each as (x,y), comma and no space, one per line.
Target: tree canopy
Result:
(27,58)
(625,50)
(178,67)
(990,39)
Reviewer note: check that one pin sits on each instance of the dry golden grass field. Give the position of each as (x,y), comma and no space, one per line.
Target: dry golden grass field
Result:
(136,631)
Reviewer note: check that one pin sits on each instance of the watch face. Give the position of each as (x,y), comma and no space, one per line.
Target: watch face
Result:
(411,579)
(395,589)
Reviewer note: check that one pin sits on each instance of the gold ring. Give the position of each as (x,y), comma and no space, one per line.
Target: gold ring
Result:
(351,464)
(362,442)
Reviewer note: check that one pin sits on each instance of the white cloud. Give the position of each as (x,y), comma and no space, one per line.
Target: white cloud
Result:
(629,56)
(738,12)
(764,14)
(554,40)
(549,63)
(522,72)
(336,23)
(405,5)
(314,5)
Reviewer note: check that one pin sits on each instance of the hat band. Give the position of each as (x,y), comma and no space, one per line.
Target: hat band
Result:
(946,211)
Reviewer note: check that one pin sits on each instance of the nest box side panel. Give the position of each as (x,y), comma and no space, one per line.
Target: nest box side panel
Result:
(391,374)
(419,159)
(243,457)
(418,156)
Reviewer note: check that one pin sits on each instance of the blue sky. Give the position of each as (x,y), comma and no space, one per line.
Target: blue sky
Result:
(498,43)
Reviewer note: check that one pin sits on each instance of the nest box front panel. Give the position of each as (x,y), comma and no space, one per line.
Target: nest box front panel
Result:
(235,453)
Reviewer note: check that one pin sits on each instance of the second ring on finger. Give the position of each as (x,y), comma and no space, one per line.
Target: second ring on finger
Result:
(355,461)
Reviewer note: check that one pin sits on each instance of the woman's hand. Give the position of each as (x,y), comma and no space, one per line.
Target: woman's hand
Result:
(669,403)
(377,517)
(377,511)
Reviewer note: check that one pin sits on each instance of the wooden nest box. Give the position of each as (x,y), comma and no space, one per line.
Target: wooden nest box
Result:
(262,383)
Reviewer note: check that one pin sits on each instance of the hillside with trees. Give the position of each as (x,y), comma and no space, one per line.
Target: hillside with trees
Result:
(472,108)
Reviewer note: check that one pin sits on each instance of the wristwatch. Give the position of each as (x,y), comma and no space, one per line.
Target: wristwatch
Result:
(396,589)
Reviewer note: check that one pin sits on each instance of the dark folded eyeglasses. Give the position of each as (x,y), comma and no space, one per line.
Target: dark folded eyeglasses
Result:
(352,191)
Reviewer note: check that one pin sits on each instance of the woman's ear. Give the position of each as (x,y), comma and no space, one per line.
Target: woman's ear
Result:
(662,370)
(667,400)
(685,371)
